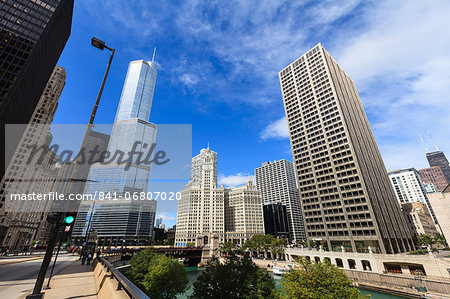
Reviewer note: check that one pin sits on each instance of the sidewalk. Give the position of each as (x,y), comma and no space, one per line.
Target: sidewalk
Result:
(74,281)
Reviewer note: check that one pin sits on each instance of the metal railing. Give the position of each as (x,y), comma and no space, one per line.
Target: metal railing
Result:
(123,282)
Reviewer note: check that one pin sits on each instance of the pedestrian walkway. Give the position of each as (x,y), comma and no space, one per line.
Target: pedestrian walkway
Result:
(74,281)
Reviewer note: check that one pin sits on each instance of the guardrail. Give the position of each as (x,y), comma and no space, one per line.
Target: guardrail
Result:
(132,290)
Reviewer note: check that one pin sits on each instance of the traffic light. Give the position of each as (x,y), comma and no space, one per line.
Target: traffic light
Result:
(54,217)
(69,219)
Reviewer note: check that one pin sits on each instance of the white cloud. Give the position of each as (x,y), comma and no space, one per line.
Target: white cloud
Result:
(166,216)
(234,180)
(401,65)
(397,53)
(277,129)
(189,79)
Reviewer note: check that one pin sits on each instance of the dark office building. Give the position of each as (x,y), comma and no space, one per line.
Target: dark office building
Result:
(438,159)
(32,37)
(276,220)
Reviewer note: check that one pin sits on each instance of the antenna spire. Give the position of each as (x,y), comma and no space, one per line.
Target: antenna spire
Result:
(154,54)
(426,148)
(208,144)
(434,142)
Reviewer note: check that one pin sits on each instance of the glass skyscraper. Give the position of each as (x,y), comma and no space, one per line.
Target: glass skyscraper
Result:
(124,220)
(32,37)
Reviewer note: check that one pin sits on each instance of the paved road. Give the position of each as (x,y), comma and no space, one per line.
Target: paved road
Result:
(16,280)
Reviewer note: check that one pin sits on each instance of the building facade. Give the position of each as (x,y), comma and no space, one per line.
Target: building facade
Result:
(440,202)
(346,196)
(276,220)
(277,183)
(124,221)
(21,223)
(243,213)
(409,188)
(435,176)
(419,219)
(439,159)
(201,209)
(208,214)
(33,35)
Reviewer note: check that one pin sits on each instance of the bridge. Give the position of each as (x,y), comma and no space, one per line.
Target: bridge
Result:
(192,255)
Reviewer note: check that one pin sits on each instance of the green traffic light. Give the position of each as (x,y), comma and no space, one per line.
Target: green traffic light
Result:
(68,219)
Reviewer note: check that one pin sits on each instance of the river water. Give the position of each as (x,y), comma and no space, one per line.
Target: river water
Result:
(193,273)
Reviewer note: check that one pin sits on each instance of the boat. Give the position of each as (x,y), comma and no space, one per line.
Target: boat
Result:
(279,270)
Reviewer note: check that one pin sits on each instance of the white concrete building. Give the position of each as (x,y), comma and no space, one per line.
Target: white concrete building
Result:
(243,213)
(207,213)
(440,202)
(277,183)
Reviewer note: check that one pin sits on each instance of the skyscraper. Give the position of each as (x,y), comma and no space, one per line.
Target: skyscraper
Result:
(124,220)
(277,183)
(197,162)
(243,213)
(438,159)
(409,188)
(276,220)
(22,224)
(346,196)
(434,175)
(208,215)
(201,209)
(33,35)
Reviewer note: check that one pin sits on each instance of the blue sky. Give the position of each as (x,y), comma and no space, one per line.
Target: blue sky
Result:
(218,64)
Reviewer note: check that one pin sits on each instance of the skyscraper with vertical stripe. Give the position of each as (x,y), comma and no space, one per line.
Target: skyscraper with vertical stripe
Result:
(346,197)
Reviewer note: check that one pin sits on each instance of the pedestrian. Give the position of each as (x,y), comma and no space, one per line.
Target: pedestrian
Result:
(89,258)
(83,258)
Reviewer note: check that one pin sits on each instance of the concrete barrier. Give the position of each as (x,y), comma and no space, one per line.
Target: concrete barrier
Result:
(107,286)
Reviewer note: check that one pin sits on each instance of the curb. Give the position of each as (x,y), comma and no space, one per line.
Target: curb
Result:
(21,261)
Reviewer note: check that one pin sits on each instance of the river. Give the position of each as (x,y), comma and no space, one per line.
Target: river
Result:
(193,274)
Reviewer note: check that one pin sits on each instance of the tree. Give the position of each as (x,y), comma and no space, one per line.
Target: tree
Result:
(236,277)
(317,280)
(259,243)
(425,240)
(227,248)
(278,247)
(157,275)
(439,239)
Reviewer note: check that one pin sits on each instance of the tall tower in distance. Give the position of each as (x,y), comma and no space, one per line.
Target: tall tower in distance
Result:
(438,159)
(347,200)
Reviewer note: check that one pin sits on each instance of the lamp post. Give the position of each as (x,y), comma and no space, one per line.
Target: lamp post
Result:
(59,216)
(99,44)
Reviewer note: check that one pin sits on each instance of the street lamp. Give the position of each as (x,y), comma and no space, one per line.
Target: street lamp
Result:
(58,217)
(101,45)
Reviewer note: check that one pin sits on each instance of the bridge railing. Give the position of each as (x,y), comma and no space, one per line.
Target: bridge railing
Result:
(123,282)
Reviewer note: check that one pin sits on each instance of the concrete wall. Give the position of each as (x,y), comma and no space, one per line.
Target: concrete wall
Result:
(433,266)
(107,285)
